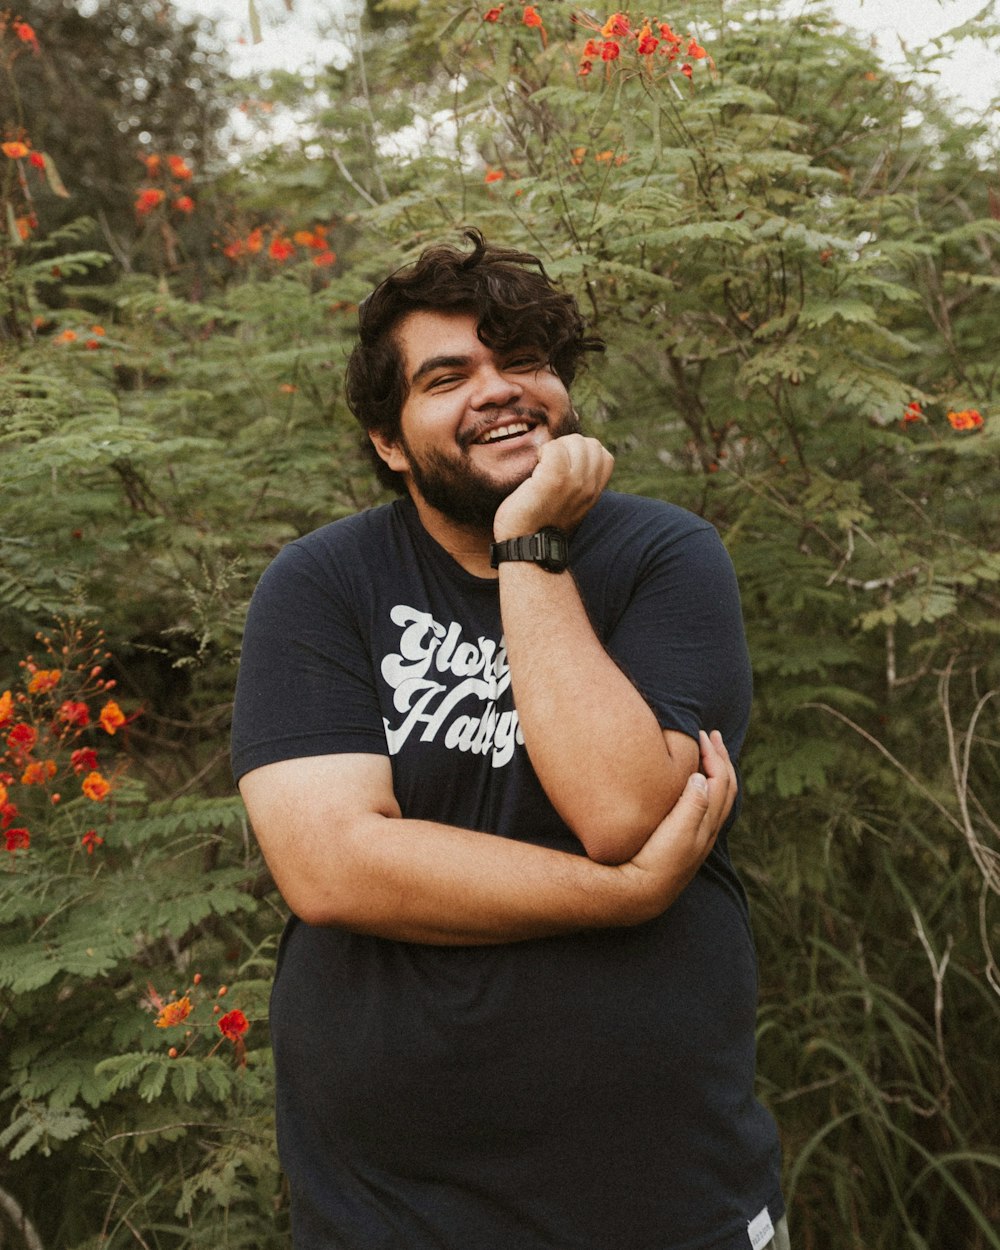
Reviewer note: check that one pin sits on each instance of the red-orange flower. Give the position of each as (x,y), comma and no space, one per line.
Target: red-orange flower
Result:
(687,71)
(233,1025)
(17,839)
(95,786)
(152,163)
(912,412)
(174,1013)
(84,760)
(6,708)
(22,738)
(254,240)
(281,248)
(493,15)
(25,33)
(648,42)
(44,679)
(91,839)
(92,345)
(695,49)
(8,813)
(112,717)
(37,159)
(67,336)
(38,772)
(610,51)
(323,259)
(15,149)
(494,175)
(617,24)
(147,199)
(967,419)
(179,168)
(75,714)
(531,16)
(184,204)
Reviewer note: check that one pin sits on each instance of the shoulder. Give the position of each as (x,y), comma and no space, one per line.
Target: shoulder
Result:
(370,528)
(343,549)
(635,521)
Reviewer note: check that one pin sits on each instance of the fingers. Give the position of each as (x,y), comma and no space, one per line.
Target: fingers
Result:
(684,838)
(567,481)
(718,769)
(585,463)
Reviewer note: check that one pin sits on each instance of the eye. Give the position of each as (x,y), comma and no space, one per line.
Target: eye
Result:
(529,364)
(445,380)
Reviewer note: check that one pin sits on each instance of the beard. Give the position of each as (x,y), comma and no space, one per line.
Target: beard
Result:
(461,492)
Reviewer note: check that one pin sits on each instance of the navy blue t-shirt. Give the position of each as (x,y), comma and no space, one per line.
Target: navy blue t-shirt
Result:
(591,1091)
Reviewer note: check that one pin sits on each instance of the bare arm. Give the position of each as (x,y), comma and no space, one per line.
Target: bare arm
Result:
(594,743)
(342,855)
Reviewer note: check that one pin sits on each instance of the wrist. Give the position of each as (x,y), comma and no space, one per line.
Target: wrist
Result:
(546,548)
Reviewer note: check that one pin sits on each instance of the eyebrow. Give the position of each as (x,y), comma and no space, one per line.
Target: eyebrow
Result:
(438,362)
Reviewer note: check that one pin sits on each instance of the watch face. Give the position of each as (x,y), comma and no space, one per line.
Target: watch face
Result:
(555,550)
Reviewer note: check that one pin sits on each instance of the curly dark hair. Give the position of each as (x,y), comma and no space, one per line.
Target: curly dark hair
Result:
(509,293)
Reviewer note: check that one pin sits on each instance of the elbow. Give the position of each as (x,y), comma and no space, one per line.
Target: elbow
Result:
(314,889)
(614,837)
(614,833)
(312,906)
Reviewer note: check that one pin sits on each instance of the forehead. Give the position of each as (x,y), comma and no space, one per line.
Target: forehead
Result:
(422,335)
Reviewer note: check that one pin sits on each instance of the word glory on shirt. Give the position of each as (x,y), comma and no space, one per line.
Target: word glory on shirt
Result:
(584,1092)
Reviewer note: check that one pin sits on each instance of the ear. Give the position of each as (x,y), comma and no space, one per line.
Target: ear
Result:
(391,452)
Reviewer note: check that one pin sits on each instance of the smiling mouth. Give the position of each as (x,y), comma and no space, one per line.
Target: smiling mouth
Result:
(501,432)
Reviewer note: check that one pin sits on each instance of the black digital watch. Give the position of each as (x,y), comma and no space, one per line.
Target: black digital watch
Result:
(548,548)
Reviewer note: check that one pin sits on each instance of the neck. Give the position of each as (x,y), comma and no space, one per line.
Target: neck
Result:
(468,545)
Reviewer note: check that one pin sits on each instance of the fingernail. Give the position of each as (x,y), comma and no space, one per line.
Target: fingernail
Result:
(699,783)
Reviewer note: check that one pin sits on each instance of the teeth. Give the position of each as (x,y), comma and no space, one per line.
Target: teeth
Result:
(505,431)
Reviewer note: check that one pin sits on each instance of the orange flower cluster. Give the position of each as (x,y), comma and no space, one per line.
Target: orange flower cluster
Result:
(91,343)
(967,419)
(40,728)
(173,1014)
(170,172)
(530,17)
(233,1025)
(651,39)
(279,247)
(19,149)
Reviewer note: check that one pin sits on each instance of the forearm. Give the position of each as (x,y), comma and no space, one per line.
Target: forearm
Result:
(342,855)
(593,741)
(416,881)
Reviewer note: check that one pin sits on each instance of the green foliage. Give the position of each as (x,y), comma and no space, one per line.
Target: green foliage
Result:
(96,1058)
(785,251)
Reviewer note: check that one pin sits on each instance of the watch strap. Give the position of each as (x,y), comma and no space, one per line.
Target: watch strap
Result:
(547,548)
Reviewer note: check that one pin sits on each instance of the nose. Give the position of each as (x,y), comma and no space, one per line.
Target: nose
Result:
(494,388)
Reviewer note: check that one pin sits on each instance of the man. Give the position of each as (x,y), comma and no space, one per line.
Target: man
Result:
(514,1005)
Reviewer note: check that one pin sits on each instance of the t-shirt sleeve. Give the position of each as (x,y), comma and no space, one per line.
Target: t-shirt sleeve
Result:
(305,684)
(681,638)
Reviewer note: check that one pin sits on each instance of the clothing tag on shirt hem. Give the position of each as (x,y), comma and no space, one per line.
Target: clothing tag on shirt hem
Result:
(760,1230)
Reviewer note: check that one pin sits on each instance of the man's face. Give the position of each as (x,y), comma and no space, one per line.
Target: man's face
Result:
(473,421)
